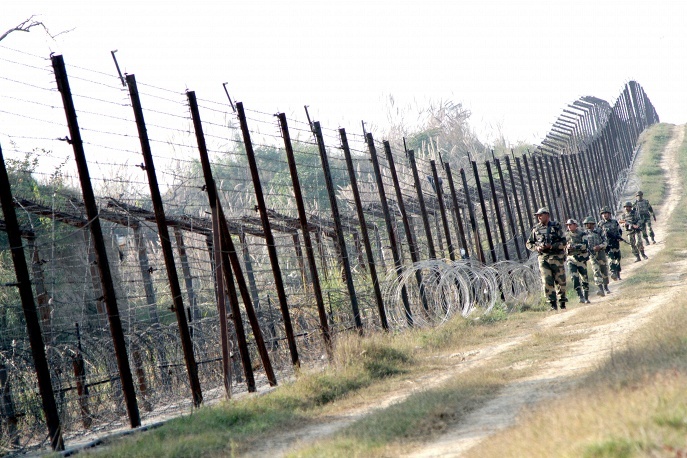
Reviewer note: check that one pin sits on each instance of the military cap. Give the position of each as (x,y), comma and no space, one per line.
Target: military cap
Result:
(542,211)
(588,220)
(628,204)
(605,209)
(571,221)
(639,193)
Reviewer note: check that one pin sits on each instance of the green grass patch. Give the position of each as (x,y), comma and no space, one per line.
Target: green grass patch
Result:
(613,448)
(649,169)
(421,416)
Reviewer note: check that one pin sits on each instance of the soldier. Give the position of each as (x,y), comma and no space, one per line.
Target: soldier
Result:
(578,255)
(645,212)
(548,241)
(597,249)
(632,225)
(614,234)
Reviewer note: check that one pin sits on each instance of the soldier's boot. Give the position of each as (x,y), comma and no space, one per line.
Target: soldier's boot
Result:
(644,256)
(554,305)
(637,258)
(646,240)
(614,275)
(580,294)
(608,291)
(618,274)
(653,240)
(601,292)
(586,297)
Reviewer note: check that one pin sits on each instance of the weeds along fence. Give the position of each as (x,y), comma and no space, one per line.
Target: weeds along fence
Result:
(200,249)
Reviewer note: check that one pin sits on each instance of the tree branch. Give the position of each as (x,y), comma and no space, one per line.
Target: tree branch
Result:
(28,24)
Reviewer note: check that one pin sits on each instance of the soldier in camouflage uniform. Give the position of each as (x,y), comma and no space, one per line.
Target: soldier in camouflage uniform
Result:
(577,249)
(614,234)
(645,212)
(632,225)
(548,241)
(597,250)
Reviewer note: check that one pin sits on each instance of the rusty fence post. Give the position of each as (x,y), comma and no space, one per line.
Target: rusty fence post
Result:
(106,281)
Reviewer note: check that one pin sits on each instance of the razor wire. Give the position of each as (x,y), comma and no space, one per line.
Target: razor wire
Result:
(456,287)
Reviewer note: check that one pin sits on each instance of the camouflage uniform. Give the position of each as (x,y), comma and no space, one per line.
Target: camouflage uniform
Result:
(630,219)
(552,261)
(645,211)
(595,237)
(578,255)
(613,233)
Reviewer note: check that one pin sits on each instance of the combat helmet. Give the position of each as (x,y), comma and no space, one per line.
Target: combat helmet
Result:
(605,209)
(628,204)
(542,210)
(589,220)
(639,193)
(571,221)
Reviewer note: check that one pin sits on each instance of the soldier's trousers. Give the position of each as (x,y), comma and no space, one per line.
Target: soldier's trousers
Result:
(578,271)
(636,242)
(613,254)
(600,267)
(646,227)
(552,271)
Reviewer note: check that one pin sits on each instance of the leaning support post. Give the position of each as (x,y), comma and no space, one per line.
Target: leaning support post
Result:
(33,326)
(269,237)
(485,218)
(395,253)
(341,242)
(442,210)
(363,230)
(230,259)
(99,245)
(456,208)
(303,220)
(166,243)
(497,209)
(507,207)
(420,201)
(414,252)
(517,206)
(472,218)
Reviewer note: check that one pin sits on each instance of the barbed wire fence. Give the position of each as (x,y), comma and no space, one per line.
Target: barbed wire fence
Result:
(271,236)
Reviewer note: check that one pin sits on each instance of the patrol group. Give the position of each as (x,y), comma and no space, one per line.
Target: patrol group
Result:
(598,242)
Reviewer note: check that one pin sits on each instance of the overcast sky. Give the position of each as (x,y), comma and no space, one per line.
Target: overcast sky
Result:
(514,64)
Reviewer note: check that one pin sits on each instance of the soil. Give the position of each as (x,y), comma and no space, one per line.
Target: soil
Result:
(550,380)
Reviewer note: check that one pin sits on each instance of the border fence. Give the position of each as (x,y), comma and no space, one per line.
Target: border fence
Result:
(200,249)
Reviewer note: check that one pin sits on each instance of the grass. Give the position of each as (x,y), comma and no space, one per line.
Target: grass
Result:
(649,170)
(365,370)
(633,405)
(362,370)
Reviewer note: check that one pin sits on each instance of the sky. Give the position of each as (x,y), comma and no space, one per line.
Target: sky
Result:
(514,64)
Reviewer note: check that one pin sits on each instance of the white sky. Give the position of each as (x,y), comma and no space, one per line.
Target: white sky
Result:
(514,64)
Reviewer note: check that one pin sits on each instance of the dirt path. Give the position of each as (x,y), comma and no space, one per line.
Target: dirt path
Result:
(552,380)
(557,376)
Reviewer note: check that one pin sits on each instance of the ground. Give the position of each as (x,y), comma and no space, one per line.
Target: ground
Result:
(550,380)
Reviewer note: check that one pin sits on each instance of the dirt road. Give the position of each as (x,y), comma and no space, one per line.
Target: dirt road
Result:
(557,376)
(550,381)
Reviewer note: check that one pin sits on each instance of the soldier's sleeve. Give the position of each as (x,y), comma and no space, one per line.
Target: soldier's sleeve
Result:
(651,209)
(558,241)
(604,240)
(531,243)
